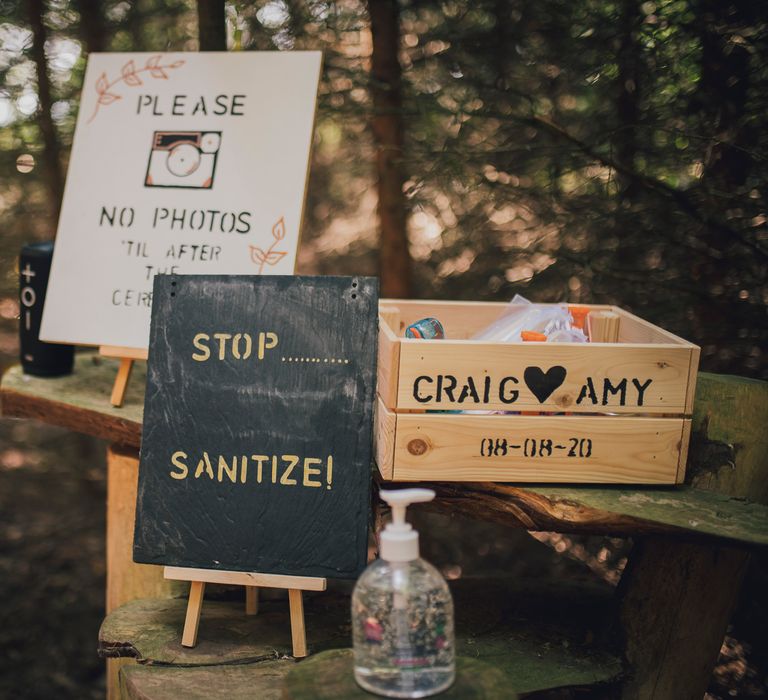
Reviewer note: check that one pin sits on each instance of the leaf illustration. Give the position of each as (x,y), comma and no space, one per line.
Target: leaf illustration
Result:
(107,98)
(129,74)
(278,230)
(155,69)
(257,255)
(102,84)
(275,256)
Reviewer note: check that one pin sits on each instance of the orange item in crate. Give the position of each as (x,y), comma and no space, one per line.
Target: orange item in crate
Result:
(533,336)
(579,315)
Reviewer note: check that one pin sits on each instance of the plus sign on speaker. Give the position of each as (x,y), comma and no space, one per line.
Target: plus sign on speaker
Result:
(37,357)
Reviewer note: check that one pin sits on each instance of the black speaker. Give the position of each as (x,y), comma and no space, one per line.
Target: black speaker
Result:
(38,358)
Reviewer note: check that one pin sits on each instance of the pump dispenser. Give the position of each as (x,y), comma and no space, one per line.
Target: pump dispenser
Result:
(402,613)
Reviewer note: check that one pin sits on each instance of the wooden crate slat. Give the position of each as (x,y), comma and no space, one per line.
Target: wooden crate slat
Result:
(685,440)
(633,329)
(384,439)
(388,362)
(692,378)
(546,449)
(668,367)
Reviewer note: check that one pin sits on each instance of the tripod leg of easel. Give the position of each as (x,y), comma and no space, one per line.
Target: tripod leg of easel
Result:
(194,608)
(121,382)
(251,600)
(298,633)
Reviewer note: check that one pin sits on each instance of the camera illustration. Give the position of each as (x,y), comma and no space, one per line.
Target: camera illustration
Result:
(183,159)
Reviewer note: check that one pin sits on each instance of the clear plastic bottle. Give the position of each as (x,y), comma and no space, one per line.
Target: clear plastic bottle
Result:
(402,614)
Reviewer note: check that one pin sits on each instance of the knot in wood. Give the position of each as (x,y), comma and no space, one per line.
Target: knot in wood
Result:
(417,447)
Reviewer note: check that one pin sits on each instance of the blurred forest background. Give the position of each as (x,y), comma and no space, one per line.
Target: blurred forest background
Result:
(607,151)
(592,151)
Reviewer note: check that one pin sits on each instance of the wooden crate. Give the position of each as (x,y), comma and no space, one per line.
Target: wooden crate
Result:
(603,412)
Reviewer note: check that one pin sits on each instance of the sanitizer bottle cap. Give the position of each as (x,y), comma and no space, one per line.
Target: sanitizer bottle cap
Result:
(399,541)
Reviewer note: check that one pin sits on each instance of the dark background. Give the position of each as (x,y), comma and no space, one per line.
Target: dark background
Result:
(588,151)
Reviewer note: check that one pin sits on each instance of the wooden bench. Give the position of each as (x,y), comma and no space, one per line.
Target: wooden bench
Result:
(692,543)
(499,624)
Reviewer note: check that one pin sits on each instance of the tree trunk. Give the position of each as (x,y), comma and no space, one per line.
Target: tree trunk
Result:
(212,25)
(722,100)
(502,43)
(628,93)
(676,601)
(92,27)
(51,165)
(724,89)
(387,124)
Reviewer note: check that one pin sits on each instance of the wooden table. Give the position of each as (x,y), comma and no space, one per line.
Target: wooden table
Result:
(702,532)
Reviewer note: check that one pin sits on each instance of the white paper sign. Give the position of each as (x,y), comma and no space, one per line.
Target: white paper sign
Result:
(188,163)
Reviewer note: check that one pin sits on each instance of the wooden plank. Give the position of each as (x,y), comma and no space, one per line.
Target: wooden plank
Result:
(243,578)
(384,439)
(603,327)
(120,352)
(298,631)
(114,677)
(78,401)
(251,600)
(390,316)
(388,366)
(126,580)
(667,367)
(192,618)
(680,511)
(693,373)
(685,440)
(537,449)
(121,382)
(633,329)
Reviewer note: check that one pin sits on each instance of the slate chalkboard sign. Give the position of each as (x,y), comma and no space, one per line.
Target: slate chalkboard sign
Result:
(256,448)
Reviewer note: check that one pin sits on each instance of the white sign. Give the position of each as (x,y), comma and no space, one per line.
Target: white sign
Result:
(188,163)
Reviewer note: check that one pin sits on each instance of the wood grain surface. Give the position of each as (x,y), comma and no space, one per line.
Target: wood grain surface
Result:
(508,624)
(543,449)
(79,401)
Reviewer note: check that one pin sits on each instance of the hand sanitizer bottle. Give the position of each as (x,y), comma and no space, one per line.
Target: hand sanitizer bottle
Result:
(402,614)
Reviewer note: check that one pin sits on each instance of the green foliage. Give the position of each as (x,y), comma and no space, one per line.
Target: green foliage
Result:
(592,151)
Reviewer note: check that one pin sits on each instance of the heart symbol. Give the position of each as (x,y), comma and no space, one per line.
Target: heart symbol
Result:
(541,383)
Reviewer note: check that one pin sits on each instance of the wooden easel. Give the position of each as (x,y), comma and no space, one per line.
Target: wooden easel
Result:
(252,581)
(127,357)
